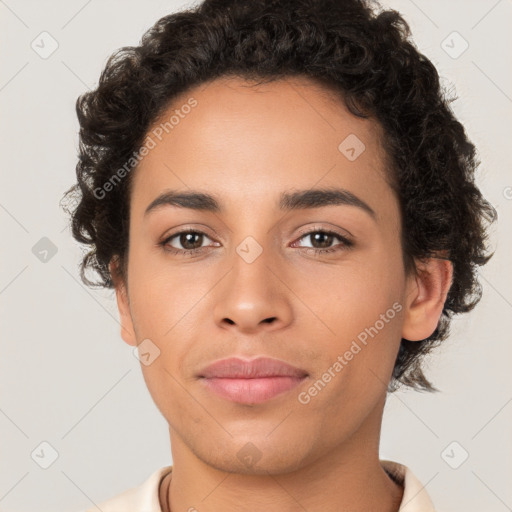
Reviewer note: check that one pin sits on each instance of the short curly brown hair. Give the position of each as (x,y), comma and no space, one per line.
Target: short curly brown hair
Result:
(351,46)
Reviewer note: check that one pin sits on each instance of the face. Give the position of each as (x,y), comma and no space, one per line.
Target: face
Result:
(320,286)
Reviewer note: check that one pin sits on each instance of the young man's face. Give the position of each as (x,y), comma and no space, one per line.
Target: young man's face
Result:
(255,287)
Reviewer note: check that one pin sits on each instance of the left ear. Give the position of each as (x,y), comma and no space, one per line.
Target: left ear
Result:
(426,293)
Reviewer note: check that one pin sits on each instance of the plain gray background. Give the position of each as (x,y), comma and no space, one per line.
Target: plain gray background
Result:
(69,380)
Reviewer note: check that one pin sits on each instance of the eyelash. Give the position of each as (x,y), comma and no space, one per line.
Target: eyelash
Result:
(346,243)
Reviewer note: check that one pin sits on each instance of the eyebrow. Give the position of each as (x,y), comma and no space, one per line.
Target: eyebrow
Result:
(299,200)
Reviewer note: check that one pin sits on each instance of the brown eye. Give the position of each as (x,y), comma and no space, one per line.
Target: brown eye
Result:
(185,242)
(322,241)
(191,240)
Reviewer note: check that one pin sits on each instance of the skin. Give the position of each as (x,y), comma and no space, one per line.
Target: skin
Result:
(246,145)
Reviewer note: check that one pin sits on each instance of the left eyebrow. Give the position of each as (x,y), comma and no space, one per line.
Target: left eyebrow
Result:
(299,200)
(318,198)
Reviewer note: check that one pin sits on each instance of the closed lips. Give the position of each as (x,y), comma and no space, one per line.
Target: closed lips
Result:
(237,368)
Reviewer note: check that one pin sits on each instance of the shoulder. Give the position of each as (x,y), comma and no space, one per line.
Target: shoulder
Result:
(142,498)
(415,497)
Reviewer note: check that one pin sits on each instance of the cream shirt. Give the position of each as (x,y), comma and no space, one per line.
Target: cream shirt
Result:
(144,498)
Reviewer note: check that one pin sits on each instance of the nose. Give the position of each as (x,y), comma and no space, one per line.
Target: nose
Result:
(253,296)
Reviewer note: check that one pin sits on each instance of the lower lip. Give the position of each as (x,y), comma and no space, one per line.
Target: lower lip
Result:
(251,391)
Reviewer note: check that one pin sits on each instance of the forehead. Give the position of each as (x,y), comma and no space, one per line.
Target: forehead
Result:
(254,139)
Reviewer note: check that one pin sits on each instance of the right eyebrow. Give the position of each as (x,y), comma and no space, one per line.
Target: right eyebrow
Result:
(192,199)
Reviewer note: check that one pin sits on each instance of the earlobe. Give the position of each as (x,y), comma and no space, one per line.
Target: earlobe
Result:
(425,297)
(127,330)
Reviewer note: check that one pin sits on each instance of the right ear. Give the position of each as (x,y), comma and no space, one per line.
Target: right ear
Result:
(123,304)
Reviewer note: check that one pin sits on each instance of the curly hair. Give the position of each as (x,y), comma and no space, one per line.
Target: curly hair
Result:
(350,46)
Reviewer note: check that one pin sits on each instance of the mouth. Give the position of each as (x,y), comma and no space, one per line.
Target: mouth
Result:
(251,382)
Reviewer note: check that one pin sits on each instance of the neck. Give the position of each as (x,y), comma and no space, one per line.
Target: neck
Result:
(346,477)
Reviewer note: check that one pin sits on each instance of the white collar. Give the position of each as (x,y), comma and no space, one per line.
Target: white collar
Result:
(145,497)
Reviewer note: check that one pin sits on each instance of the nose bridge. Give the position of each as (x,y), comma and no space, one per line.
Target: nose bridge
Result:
(256,248)
(251,261)
(253,244)
(251,294)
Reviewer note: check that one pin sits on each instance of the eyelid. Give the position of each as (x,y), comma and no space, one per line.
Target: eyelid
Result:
(346,241)
(301,232)
(199,228)
(336,230)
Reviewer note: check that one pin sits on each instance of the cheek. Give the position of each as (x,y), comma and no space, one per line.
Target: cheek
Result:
(160,295)
(165,305)
(348,298)
(167,391)
(359,313)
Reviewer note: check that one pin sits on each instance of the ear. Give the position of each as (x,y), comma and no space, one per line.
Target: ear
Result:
(123,304)
(426,294)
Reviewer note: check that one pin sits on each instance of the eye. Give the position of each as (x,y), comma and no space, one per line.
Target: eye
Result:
(191,242)
(324,238)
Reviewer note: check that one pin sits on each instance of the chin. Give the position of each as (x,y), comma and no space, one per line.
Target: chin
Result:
(255,458)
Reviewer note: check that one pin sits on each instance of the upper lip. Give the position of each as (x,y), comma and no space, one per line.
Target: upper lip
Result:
(237,368)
